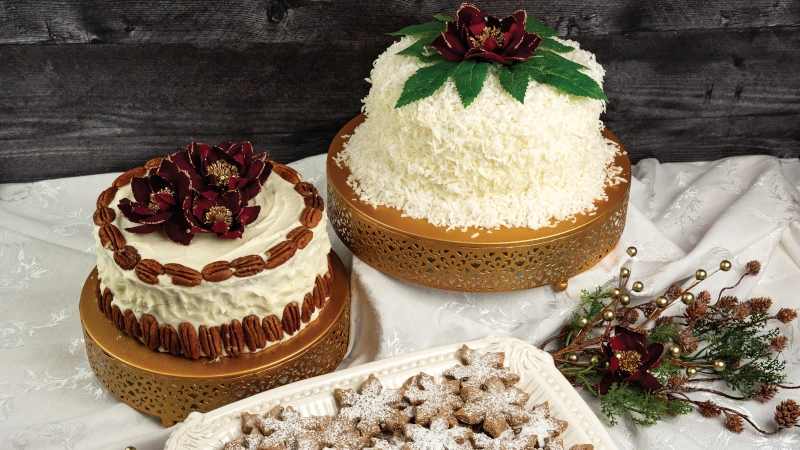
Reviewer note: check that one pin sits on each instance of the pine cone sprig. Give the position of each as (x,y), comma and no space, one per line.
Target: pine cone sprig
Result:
(752,268)
(674,292)
(734,423)
(759,305)
(709,409)
(786,315)
(778,344)
(765,392)
(787,413)
(727,302)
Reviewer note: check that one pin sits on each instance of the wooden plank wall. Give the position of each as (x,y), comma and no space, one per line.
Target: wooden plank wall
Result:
(90,86)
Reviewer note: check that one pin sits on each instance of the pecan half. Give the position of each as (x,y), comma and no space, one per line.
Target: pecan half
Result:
(103,215)
(189,342)
(272,328)
(210,341)
(328,283)
(150,333)
(248,265)
(170,340)
(308,308)
(291,318)
(118,318)
(148,271)
(217,271)
(132,325)
(233,338)
(153,163)
(110,237)
(280,254)
(287,173)
(127,257)
(182,275)
(98,295)
(305,188)
(319,294)
(301,236)
(315,201)
(106,197)
(108,297)
(126,177)
(310,217)
(254,335)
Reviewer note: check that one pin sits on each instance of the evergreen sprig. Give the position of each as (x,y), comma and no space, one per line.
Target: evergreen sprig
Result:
(546,66)
(644,408)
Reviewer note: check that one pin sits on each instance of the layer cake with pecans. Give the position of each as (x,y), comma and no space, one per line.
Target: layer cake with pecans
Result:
(211,251)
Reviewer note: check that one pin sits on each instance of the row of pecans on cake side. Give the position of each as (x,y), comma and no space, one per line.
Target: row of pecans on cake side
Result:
(232,338)
(148,270)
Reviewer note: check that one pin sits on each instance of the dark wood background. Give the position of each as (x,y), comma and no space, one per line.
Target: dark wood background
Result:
(90,86)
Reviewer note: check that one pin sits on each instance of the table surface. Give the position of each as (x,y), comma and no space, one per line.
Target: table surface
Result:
(682,217)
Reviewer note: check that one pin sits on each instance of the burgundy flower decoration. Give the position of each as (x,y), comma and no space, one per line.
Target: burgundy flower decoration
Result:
(223,214)
(630,358)
(225,167)
(158,203)
(475,35)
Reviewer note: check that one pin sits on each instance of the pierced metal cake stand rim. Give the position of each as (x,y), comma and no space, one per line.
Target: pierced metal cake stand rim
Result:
(506,237)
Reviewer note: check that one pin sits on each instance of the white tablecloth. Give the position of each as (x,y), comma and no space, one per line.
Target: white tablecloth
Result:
(681,217)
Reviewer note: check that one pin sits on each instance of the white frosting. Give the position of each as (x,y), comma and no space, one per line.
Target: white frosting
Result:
(215,303)
(495,163)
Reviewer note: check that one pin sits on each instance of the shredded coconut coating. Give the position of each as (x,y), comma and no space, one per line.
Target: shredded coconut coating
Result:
(497,163)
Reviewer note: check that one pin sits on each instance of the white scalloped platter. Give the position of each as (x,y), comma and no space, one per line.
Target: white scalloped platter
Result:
(314,396)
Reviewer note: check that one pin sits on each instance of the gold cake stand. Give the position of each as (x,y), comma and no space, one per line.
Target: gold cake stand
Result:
(508,259)
(171,387)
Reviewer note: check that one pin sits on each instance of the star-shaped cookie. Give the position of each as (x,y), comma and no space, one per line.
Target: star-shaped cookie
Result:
(478,369)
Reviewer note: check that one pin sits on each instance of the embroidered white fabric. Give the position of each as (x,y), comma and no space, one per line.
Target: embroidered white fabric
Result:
(682,217)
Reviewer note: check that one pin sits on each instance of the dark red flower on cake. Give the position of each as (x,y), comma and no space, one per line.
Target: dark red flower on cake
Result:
(158,203)
(630,359)
(475,35)
(223,214)
(224,167)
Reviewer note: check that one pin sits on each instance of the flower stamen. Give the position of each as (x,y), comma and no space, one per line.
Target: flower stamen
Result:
(488,32)
(217,214)
(223,171)
(629,360)
(153,206)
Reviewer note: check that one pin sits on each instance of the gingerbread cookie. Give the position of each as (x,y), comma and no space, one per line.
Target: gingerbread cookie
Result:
(478,369)
(249,441)
(497,407)
(442,435)
(286,429)
(341,434)
(541,426)
(374,407)
(506,441)
(433,399)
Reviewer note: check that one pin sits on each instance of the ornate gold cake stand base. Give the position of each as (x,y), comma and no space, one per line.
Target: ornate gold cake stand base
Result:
(474,260)
(171,387)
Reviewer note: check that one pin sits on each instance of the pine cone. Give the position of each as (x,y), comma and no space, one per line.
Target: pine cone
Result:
(727,302)
(709,409)
(778,344)
(787,413)
(752,268)
(648,308)
(676,383)
(697,309)
(734,423)
(758,305)
(740,312)
(765,392)
(674,292)
(631,316)
(687,341)
(786,315)
(704,295)
(663,320)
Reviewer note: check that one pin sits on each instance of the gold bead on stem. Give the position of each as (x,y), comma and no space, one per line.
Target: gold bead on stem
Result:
(691,372)
(674,350)
(624,299)
(700,274)
(130,447)
(571,357)
(595,360)
(719,365)
(583,321)
(606,364)
(637,286)
(632,251)
(725,265)
(609,315)
(615,292)
(624,272)
(687,298)
(662,302)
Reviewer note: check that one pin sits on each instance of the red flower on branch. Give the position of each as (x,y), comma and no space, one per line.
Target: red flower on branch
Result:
(630,359)
(475,35)
(222,214)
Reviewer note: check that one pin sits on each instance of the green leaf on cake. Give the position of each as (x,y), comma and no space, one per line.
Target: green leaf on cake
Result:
(514,81)
(533,25)
(552,45)
(433,27)
(565,75)
(425,82)
(469,77)
(422,50)
(443,18)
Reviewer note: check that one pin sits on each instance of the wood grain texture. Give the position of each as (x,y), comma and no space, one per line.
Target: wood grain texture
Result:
(217,23)
(684,84)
